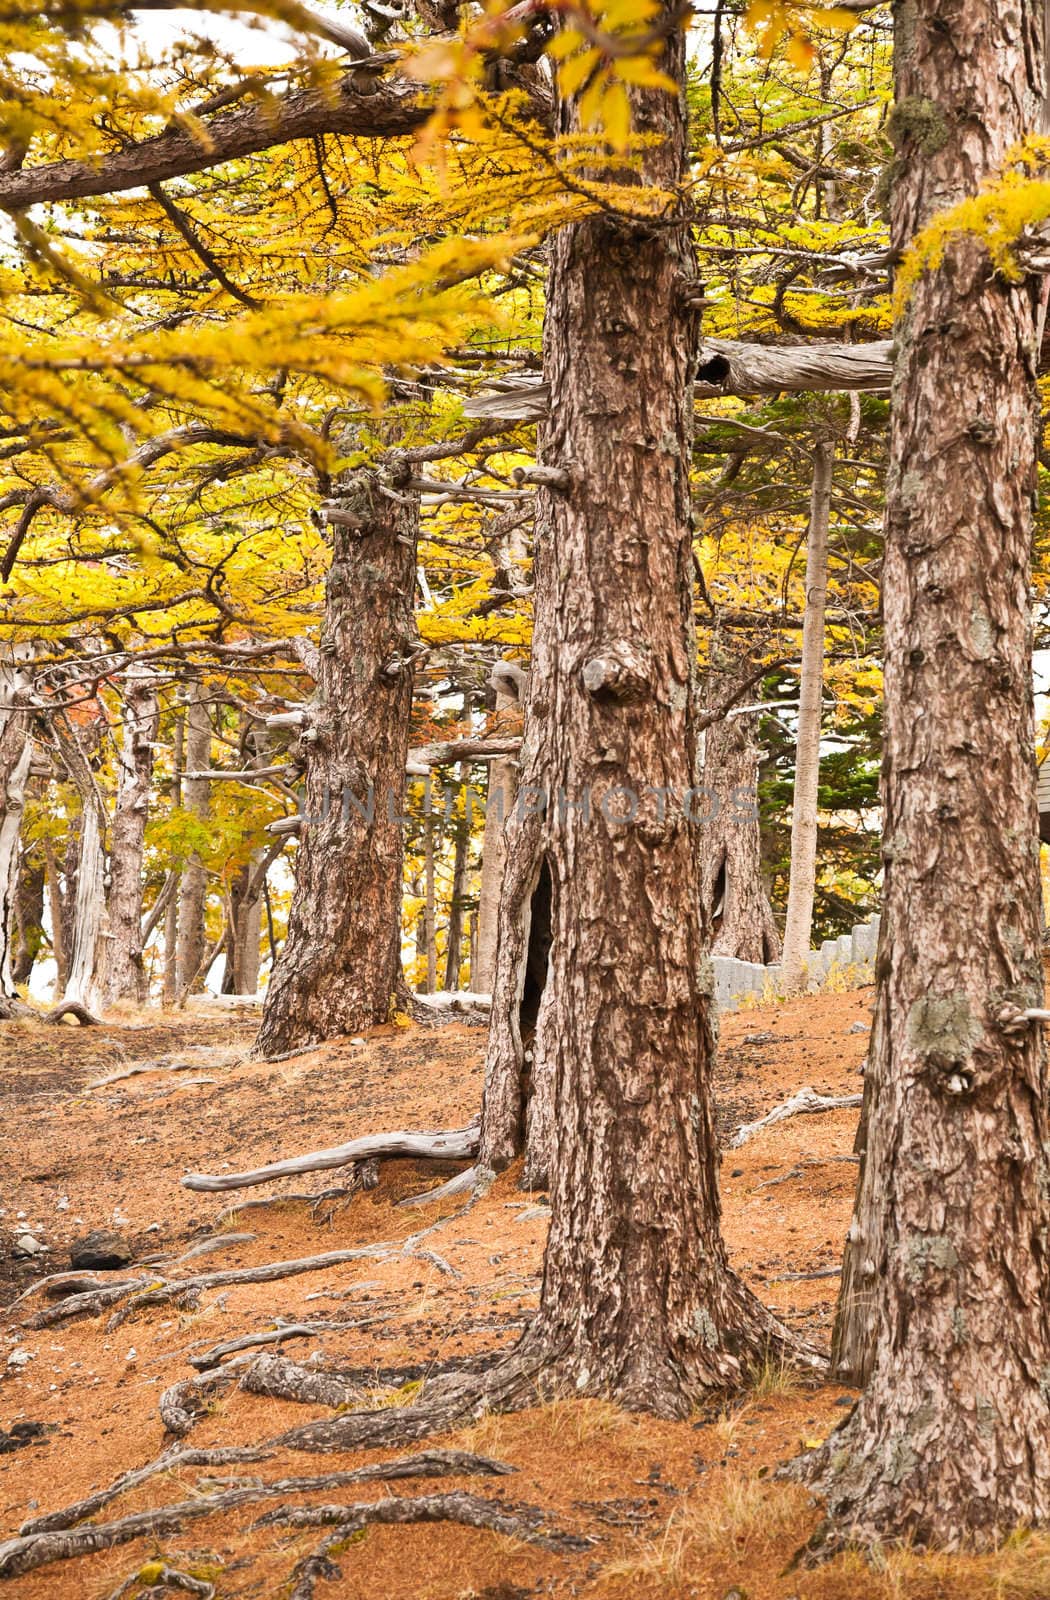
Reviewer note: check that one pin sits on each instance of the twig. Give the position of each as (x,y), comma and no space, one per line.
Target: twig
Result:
(804,1103)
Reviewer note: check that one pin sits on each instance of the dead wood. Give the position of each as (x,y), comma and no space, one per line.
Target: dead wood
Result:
(31,1551)
(276,1335)
(281,1379)
(806,1102)
(463,1183)
(460,1144)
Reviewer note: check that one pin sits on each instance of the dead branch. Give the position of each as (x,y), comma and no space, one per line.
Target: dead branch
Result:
(462,1183)
(252,1341)
(806,1102)
(31,1551)
(460,1144)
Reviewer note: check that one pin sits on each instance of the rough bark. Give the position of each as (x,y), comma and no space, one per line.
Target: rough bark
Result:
(950,1443)
(460,886)
(16,750)
(798,922)
(193,889)
(29,918)
(341,963)
(58,908)
(638,1301)
(89,937)
(500,797)
(125,978)
(732,892)
(170,992)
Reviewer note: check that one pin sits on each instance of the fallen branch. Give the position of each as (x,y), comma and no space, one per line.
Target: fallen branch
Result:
(31,1551)
(140,1067)
(252,1341)
(462,1183)
(806,1102)
(460,1144)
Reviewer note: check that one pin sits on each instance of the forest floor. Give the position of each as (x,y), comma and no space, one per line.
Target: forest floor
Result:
(673,1508)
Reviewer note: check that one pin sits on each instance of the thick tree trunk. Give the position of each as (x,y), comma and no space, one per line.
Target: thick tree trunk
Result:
(951,1442)
(89,937)
(732,892)
(341,962)
(242,946)
(125,979)
(193,890)
(798,923)
(638,1302)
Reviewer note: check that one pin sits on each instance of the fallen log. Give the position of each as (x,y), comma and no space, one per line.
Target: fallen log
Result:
(460,1144)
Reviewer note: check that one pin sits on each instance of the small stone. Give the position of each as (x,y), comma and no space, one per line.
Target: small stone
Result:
(737,1172)
(20,1357)
(100,1250)
(26,1245)
(858,1027)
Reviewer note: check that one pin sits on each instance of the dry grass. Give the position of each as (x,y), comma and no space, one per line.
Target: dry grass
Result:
(726,1526)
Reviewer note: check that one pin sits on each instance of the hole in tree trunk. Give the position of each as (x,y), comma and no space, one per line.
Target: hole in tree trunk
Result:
(718,897)
(537,958)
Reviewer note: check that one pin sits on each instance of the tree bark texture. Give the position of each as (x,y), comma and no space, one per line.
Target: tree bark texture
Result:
(90,936)
(125,978)
(732,892)
(638,1302)
(798,923)
(500,796)
(29,917)
(945,1291)
(460,885)
(193,889)
(341,961)
(16,752)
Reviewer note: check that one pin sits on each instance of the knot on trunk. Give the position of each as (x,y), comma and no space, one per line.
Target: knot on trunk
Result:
(617,672)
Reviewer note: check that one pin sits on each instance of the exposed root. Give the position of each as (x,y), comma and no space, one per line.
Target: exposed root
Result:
(805,1102)
(161,1578)
(30,1551)
(280,1379)
(89,1304)
(277,1335)
(460,1144)
(182,1404)
(463,1183)
(469,1509)
(169,1461)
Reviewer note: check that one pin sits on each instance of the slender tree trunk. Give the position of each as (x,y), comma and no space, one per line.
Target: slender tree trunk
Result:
(500,796)
(733,894)
(945,1291)
(58,910)
(29,918)
(638,1301)
(460,885)
(125,979)
(798,924)
(170,991)
(193,890)
(341,962)
(16,752)
(430,896)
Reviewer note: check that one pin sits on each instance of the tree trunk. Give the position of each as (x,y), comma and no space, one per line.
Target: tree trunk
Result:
(242,962)
(950,1444)
(193,890)
(170,991)
(798,924)
(500,796)
(638,1302)
(58,910)
(29,918)
(460,885)
(341,962)
(125,979)
(16,753)
(735,903)
(429,893)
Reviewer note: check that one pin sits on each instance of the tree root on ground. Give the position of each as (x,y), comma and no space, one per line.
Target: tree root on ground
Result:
(805,1102)
(12,1009)
(41,1547)
(458,1144)
(160,1581)
(523,1522)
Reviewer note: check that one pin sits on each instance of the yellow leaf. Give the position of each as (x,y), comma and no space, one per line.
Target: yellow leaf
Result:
(616,116)
(619,14)
(401,1020)
(834,17)
(645,73)
(564,43)
(800,52)
(574,73)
